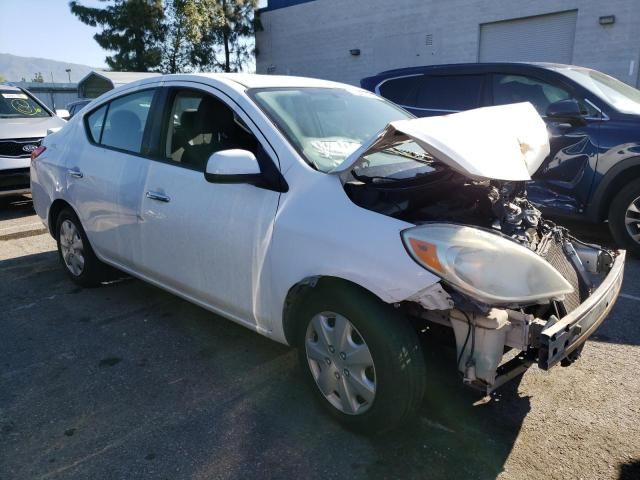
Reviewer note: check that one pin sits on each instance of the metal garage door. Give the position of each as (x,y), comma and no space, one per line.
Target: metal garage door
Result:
(545,38)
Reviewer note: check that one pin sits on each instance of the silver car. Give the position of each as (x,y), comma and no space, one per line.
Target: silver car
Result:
(24,121)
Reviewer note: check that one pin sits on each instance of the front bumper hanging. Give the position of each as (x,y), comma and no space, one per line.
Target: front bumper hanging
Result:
(559,340)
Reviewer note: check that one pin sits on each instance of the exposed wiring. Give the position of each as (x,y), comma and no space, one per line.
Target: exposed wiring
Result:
(465,340)
(470,361)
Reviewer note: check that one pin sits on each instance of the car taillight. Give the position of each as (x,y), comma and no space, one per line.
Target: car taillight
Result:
(37,152)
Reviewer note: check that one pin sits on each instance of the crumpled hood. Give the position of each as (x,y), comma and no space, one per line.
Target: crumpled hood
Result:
(11,128)
(508,142)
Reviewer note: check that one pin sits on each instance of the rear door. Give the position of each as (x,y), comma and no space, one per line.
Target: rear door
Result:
(107,172)
(563,181)
(206,241)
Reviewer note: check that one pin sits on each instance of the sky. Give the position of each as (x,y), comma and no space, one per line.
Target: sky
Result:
(47,29)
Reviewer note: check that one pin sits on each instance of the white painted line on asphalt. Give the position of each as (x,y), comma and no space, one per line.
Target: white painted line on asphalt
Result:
(630,297)
(21,226)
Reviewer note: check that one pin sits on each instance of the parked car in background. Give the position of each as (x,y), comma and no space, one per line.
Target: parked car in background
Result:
(593,170)
(75,107)
(327,218)
(24,121)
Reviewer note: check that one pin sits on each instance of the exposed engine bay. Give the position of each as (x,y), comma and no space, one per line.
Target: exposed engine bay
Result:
(484,332)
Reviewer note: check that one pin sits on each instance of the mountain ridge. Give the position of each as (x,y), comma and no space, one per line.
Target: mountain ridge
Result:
(14,68)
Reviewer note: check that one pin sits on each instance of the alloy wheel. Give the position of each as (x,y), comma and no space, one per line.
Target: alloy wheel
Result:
(632,220)
(341,363)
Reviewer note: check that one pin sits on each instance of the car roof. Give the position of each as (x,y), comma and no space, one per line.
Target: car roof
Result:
(477,66)
(10,87)
(249,80)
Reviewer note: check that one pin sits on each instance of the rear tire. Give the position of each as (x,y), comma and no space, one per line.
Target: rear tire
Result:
(624,217)
(373,378)
(75,252)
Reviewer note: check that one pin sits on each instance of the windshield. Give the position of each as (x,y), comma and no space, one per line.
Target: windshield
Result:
(328,124)
(17,104)
(623,97)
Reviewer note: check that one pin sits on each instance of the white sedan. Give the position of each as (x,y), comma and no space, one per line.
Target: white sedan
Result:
(327,218)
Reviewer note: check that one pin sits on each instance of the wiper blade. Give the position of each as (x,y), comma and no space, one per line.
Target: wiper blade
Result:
(420,157)
(375,178)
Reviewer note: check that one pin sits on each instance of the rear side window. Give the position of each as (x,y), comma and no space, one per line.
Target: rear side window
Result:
(450,92)
(125,121)
(401,90)
(95,121)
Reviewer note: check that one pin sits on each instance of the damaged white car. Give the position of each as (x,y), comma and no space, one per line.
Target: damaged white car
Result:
(327,218)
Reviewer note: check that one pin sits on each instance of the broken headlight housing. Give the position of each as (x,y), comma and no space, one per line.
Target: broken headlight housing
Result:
(485,266)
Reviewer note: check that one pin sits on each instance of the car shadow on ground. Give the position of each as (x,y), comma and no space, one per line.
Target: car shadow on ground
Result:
(15,207)
(630,470)
(127,380)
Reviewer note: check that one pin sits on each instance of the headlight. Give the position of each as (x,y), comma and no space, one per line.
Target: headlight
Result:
(484,265)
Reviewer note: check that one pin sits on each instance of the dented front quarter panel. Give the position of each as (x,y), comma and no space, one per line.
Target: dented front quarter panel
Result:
(320,232)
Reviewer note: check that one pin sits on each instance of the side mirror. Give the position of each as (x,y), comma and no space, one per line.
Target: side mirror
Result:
(63,113)
(233,166)
(566,110)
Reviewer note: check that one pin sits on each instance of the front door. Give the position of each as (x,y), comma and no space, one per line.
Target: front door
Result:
(563,182)
(206,241)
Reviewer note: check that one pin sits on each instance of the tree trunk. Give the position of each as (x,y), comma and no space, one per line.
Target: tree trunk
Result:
(225,35)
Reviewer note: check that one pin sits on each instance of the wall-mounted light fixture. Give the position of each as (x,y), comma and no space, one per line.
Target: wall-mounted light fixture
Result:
(607,20)
(355,52)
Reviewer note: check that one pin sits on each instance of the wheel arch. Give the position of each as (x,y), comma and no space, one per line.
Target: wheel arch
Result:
(54,210)
(613,181)
(297,293)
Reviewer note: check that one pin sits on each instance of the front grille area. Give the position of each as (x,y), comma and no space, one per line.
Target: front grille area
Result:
(16,148)
(554,254)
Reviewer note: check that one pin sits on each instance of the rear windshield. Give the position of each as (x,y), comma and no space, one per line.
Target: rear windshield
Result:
(17,104)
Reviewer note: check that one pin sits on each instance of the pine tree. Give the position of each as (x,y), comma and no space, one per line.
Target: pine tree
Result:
(133,29)
(221,32)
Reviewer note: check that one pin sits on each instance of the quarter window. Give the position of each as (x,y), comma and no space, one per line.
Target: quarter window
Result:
(200,125)
(126,120)
(95,121)
(450,92)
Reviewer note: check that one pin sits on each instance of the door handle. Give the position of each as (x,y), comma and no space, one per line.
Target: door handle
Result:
(76,173)
(160,197)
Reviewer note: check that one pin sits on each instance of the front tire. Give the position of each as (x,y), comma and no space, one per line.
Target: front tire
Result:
(624,217)
(75,252)
(362,358)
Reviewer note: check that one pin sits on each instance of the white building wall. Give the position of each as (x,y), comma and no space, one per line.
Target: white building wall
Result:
(314,38)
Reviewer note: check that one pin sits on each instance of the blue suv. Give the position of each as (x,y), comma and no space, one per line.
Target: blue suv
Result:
(593,171)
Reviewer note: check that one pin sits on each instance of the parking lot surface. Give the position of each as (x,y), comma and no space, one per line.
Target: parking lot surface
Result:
(128,381)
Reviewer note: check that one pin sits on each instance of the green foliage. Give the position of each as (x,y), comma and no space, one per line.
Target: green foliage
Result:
(133,29)
(2,79)
(38,78)
(222,32)
(241,23)
(174,35)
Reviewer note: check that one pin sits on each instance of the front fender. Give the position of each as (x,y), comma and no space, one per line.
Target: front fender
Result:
(318,231)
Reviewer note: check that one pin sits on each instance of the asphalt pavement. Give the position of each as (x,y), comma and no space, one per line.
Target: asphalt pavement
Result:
(127,381)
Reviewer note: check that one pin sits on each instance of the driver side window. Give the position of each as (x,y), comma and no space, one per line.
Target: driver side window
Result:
(200,125)
(517,88)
